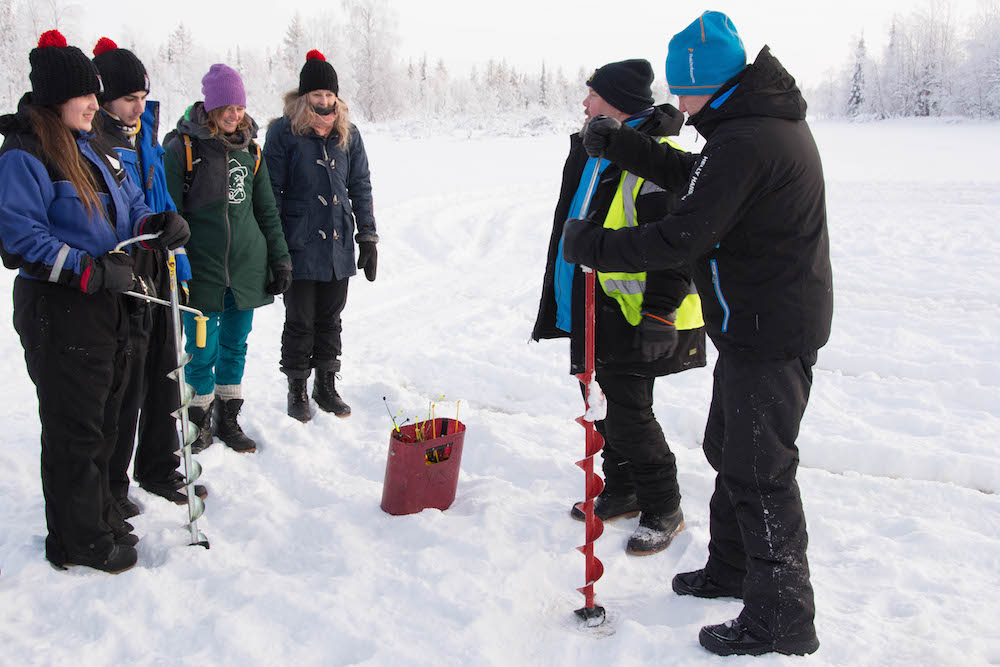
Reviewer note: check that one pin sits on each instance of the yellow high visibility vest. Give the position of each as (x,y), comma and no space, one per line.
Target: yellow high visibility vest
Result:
(628,288)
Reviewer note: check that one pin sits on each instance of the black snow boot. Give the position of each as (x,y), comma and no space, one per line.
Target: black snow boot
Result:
(326,396)
(699,584)
(608,506)
(228,430)
(127,508)
(655,532)
(735,638)
(173,488)
(298,400)
(121,558)
(121,529)
(202,418)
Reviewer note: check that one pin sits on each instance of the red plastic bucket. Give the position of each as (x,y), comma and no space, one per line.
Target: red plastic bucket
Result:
(423,474)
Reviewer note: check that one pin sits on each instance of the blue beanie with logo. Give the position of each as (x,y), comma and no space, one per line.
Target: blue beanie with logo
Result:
(704,55)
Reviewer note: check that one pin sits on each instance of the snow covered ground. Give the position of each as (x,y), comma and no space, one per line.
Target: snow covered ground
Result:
(900,466)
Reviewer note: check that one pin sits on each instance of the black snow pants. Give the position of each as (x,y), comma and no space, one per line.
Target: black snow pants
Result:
(75,349)
(311,336)
(636,454)
(151,356)
(758,526)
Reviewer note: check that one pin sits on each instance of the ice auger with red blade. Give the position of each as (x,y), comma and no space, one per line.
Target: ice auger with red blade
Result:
(592,614)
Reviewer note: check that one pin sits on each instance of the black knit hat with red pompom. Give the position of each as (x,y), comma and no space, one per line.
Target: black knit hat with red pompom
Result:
(60,72)
(317,74)
(121,71)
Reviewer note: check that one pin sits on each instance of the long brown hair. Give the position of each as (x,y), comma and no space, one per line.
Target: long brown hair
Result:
(59,147)
(212,121)
(300,112)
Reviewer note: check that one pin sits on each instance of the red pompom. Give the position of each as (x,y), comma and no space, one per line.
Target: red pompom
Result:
(104,45)
(315,55)
(51,38)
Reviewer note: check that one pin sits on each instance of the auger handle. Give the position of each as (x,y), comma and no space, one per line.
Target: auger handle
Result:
(200,332)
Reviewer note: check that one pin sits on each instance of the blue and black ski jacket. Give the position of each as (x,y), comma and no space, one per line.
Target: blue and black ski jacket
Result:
(45,231)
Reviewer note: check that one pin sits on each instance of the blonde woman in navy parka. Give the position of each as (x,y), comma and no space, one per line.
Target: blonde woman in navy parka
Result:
(65,203)
(319,172)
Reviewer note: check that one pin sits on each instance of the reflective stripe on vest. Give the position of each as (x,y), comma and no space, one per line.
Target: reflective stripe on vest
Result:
(628,288)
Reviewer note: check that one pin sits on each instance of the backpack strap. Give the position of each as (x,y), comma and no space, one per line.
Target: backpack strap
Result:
(255,152)
(189,162)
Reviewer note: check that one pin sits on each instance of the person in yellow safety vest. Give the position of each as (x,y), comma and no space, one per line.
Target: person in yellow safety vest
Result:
(648,324)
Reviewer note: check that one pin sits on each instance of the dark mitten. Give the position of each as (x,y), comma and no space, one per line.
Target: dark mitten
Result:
(657,335)
(368,259)
(173,229)
(282,279)
(580,239)
(111,271)
(597,136)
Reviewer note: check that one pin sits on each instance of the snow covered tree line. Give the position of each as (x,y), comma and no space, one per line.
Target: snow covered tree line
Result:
(360,41)
(929,67)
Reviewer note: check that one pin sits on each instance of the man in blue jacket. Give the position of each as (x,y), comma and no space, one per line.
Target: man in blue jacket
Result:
(129,123)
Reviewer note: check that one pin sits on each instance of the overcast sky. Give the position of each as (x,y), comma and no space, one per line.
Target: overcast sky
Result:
(809,37)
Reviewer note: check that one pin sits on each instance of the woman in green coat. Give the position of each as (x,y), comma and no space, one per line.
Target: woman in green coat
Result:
(239,259)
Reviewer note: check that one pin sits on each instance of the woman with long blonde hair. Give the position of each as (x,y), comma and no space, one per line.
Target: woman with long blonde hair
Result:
(319,173)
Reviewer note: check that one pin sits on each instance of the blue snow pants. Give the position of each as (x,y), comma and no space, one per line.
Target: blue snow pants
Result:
(224,356)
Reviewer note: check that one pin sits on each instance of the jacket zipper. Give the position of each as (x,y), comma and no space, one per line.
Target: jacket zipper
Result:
(718,295)
(229,231)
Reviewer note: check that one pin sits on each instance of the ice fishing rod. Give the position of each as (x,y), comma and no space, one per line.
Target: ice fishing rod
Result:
(185,392)
(592,614)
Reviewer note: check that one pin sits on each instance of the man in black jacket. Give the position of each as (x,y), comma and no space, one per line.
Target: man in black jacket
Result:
(647,325)
(752,221)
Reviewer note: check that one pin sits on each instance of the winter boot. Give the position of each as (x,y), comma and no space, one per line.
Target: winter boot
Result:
(173,488)
(127,508)
(298,400)
(202,418)
(121,529)
(228,430)
(326,396)
(608,506)
(735,638)
(699,584)
(121,558)
(655,532)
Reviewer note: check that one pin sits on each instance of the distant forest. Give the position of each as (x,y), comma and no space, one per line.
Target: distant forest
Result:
(930,67)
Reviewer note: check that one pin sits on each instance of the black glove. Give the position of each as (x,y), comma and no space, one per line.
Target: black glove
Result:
(657,335)
(282,279)
(111,271)
(597,136)
(368,259)
(580,238)
(174,230)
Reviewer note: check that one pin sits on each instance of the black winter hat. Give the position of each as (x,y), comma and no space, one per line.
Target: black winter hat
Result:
(60,72)
(121,71)
(317,74)
(625,85)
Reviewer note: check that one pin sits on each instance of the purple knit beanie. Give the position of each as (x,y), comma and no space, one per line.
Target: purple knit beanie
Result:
(222,86)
